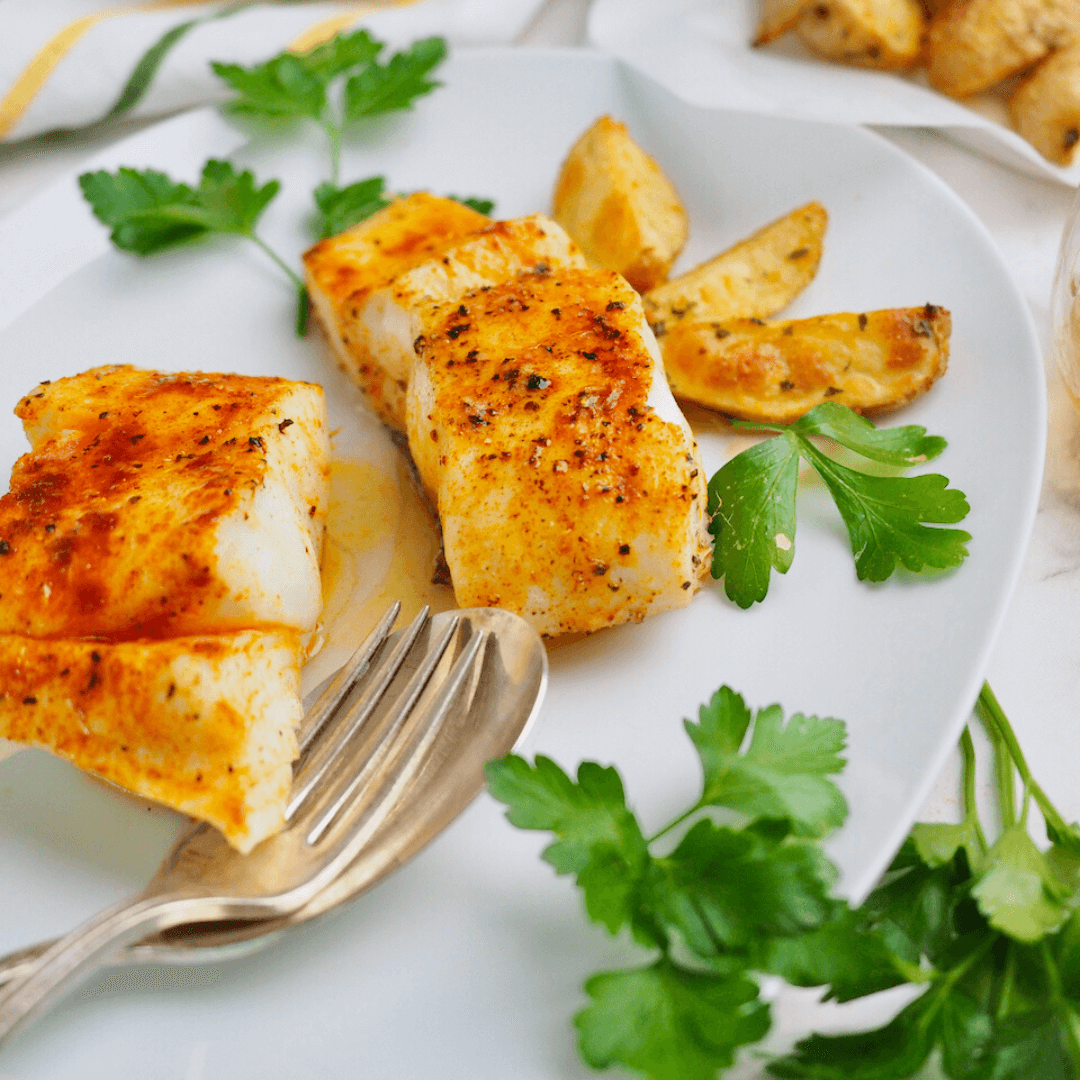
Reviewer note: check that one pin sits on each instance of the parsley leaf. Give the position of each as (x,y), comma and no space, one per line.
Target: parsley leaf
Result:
(397,84)
(723,888)
(891,520)
(752,506)
(342,208)
(908,445)
(293,86)
(885,516)
(341,54)
(783,771)
(667,1022)
(1018,892)
(283,88)
(599,839)
(842,954)
(148,212)
(481,206)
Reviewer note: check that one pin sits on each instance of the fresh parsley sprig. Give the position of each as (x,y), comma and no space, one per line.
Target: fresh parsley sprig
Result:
(992,929)
(726,901)
(891,520)
(292,86)
(148,212)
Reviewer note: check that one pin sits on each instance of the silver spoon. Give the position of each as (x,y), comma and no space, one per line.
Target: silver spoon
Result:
(503,704)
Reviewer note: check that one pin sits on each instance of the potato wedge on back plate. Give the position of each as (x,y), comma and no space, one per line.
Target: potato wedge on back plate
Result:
(884,34)
(777,17)
(775,372)
(973,44)
(752,280)
(619,207)
(1046,106)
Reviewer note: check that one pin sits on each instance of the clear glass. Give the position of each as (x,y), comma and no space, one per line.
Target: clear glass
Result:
(1065,304)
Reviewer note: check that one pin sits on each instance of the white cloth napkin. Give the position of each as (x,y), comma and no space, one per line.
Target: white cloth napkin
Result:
(64,63)
(700,50)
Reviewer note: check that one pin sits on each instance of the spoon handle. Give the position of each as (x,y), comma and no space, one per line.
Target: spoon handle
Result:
(60,963)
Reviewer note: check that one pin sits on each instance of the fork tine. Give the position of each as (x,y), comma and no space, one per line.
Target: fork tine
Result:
(411,744)
(346,678)
(323,756)
(378,744)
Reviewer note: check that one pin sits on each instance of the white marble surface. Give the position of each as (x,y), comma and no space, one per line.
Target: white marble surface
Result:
(1035,667)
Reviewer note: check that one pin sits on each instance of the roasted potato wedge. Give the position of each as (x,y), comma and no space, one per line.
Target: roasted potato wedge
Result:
(752,280)
(619,207)
(884,34)
(778,17)
(1046,106)
(973,44)
(775,372)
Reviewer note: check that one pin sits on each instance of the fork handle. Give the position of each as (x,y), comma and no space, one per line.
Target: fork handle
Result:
(84,948)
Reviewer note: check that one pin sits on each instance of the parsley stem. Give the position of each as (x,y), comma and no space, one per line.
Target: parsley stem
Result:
(971,810)
(303,305)
(674,824)
(333,134)
(993,716)
(292,274)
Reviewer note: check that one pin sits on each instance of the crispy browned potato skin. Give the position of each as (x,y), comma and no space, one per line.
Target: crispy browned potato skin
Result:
(619,207)
(973,44)
(755,279)
(775,372)
(884,34)
(1046,106)
(777,17)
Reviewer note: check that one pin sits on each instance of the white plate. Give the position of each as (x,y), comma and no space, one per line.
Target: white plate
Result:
(701,50)
(468,962)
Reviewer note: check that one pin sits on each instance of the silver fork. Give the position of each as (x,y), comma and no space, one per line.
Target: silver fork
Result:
(360,751)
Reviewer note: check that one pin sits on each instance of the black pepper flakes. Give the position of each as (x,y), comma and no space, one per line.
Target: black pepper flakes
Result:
(283,425)
(537,382)
(5,548)
(589,355)
(624,549)
(457,330)
(721,333)
(204,440)
(615,305)
(29,700)
(862,322)
(254,440)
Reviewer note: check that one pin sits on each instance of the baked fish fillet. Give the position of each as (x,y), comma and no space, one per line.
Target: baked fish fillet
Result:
(204,724)
(370,284)
(568,483)
(154,505)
